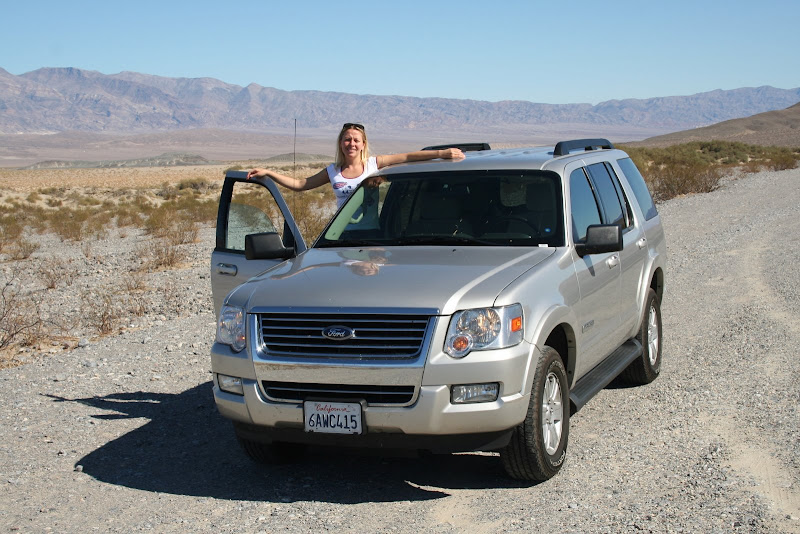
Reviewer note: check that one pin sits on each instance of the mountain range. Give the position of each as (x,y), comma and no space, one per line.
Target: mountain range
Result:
(80,104)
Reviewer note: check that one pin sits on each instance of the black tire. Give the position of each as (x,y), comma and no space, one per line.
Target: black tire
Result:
(277,452)
(647,367)
(538,446)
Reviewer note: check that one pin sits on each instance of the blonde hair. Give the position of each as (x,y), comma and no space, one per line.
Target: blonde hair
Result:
(340,155)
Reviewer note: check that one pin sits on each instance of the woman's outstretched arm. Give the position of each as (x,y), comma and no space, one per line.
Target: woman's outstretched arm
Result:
(295,184)
(421,155)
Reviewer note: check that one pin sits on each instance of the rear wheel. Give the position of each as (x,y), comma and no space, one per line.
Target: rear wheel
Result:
(647,367)
(538,446)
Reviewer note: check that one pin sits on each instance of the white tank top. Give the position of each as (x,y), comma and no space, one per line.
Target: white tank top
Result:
(344,187)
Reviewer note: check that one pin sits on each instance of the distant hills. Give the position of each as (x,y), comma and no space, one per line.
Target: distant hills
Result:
(163,160)
(68,99)
(90,116)
(777,128)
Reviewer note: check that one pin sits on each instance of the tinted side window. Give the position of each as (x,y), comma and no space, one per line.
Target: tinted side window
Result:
(583,205)
(608,194)
(639,187)
(252,210)
(623,198)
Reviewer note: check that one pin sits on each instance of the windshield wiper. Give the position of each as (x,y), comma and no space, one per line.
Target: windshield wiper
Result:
(442,240)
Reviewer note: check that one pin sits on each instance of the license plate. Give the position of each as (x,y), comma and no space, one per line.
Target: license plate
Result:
(332,417)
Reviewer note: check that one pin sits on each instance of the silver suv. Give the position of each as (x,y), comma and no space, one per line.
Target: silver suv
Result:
(448,305)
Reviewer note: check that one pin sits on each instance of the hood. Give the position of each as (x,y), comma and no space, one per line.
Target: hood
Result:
(442,278)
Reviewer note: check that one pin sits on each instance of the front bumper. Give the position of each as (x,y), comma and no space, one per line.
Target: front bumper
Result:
(428,421)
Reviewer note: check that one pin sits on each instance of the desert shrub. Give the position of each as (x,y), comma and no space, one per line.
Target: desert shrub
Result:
(183,231)
(312,213)
(35,218)
(20,318)
(137,304)
(22,249)
(87,250)
(697,167)
(101,310)
(79,223)
(199,185)
(33,198)
(159,222)
(134,282)
(159,254)
(98,223)
(69,223)
(178,215)
(59,192)
(10,231)
(781,160)
(134,287)
(196,209)
(81,200)
(128,215)
(672,181)
(55,271)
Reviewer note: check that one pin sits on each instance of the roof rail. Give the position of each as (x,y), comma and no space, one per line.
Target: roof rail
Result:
(565,147)
(464,147)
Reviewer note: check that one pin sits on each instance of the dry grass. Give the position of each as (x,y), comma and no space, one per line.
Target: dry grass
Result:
(135,178)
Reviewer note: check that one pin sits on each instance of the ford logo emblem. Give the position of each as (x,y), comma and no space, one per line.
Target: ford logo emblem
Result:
(338,333)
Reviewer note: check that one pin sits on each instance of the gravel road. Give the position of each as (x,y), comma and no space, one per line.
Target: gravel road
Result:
(120,433)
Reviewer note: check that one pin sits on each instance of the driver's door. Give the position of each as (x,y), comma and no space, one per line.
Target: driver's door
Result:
(247,207)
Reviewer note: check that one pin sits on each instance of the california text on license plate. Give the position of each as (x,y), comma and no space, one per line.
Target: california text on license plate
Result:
(332,417)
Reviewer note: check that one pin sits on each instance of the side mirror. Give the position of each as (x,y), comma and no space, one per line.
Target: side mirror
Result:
(600,238)
(266,246)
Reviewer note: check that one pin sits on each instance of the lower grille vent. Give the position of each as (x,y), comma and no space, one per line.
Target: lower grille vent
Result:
(294,391)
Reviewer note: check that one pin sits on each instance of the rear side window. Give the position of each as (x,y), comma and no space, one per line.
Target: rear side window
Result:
(582,204)
(609,196)
(639,187)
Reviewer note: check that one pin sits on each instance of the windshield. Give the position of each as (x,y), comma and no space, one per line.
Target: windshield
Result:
(481,208)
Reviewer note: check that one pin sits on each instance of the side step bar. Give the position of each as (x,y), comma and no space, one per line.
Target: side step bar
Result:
(602,375)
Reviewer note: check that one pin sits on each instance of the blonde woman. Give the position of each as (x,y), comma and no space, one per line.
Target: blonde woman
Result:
(353,164)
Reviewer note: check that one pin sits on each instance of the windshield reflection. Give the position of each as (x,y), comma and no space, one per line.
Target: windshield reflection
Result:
(468,208)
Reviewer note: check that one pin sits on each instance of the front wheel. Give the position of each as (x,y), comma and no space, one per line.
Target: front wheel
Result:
(538,446)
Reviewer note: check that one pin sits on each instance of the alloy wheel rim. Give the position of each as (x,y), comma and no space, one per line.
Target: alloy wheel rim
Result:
(652,335)
(552,414)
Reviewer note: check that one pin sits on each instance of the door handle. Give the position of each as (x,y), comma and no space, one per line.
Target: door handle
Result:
(642,242)
(613,261)
(227,269)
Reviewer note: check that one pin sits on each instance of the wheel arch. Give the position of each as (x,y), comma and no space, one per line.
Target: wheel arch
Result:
(657,283)
(562,339)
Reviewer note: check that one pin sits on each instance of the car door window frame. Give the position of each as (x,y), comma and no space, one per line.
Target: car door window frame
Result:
(582,170)
(291,233)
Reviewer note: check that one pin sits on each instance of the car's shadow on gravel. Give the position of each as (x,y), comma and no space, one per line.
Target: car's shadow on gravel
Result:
(187,448)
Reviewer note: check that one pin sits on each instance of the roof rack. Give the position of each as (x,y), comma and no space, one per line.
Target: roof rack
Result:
(464,147)
(565,147)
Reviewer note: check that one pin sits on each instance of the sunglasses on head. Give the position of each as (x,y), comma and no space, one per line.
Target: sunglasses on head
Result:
(355,125)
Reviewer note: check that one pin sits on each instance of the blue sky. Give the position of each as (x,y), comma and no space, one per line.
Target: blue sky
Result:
(549,52)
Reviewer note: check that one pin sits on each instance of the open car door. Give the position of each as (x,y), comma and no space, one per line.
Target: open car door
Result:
(248,208)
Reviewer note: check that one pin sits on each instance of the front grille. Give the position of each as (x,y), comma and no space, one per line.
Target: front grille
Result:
(384,336)
(294,391)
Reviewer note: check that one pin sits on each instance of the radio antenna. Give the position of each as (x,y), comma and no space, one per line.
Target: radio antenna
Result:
(294,163)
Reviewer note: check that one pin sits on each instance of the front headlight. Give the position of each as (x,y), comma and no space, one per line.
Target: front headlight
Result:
(484,329)
(230,327)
